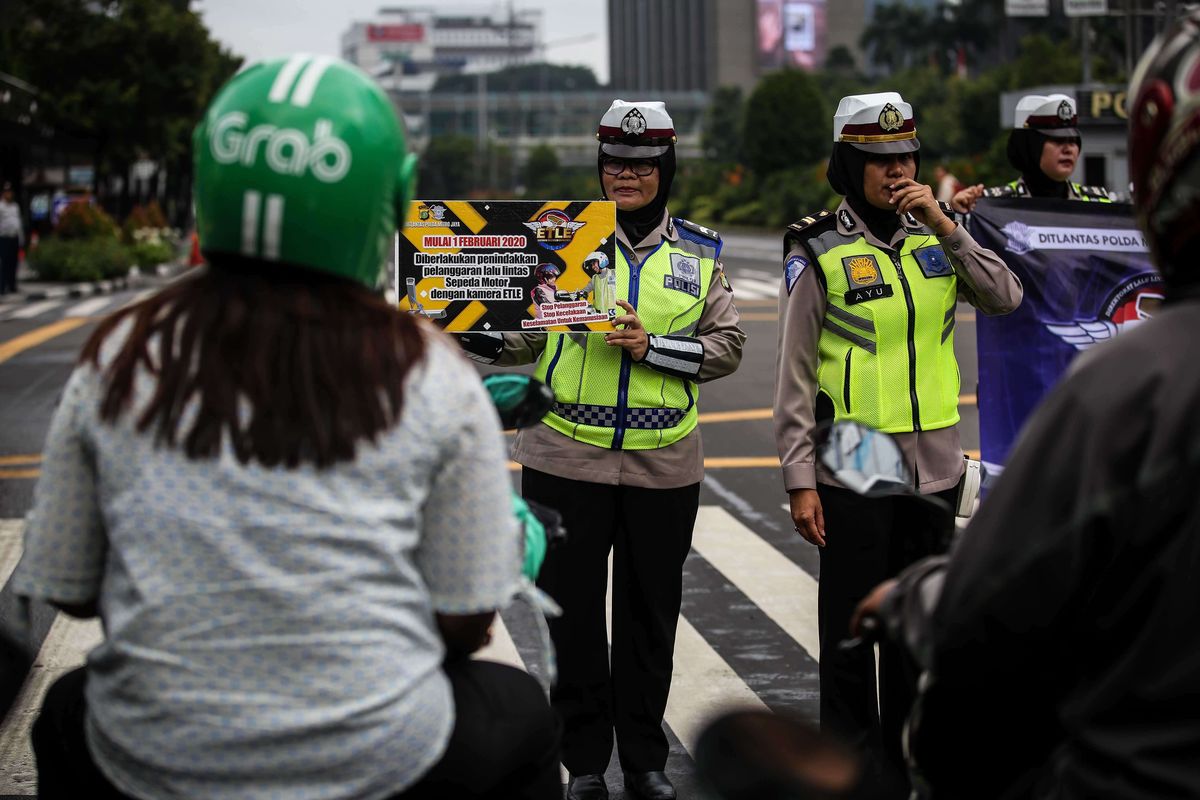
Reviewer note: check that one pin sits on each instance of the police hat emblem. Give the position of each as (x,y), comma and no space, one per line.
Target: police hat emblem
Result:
(1064,111)
(890,119)
(634,124)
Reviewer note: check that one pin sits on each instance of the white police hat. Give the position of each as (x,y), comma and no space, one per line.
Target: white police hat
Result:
(877,123)
(1050,114)
(641,129)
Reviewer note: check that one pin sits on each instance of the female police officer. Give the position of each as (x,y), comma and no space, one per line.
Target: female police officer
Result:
(620,458)
(867,310)
(1044,147)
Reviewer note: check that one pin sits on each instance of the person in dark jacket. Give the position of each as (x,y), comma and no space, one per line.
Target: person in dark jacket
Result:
(1059,637)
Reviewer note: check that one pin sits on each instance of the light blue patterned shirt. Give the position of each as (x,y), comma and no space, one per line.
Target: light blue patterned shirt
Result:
(270,633)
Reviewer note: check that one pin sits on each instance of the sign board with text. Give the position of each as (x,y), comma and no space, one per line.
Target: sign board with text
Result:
(1085,8)
(509,265)
(1027,8)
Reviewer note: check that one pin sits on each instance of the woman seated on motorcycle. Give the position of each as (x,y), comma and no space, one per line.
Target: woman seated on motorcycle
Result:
(285,499)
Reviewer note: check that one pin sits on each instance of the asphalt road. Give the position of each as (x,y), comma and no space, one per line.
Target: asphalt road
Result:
(747,636)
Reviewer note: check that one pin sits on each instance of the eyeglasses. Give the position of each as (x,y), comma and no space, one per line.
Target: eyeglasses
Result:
(640,167)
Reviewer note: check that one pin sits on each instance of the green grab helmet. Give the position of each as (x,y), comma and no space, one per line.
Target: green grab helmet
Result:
(302,160)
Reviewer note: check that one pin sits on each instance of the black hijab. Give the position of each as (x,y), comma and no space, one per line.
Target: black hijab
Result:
(637,224)
(1025,154)
(846,170)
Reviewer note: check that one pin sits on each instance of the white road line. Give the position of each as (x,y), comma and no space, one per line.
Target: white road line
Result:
(30,311)
(88,307)
(139,297)
(754,289)
(703,686)
(761,275)
(784,591)
(11,531)
(65,648)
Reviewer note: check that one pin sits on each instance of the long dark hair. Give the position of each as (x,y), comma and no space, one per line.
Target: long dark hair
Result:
(295,366)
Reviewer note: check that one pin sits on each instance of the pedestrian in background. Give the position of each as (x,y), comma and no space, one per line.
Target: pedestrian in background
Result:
(1044,147)
(620,458)
(285,499)
(867,310)
(12,237)
(947,184)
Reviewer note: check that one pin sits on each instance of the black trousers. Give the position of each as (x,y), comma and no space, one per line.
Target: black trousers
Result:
(867,541)
(9,255)
(504,743)
(649,532)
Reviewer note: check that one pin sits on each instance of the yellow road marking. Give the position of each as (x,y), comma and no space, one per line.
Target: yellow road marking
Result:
(39,335)
(741,463)
(6,474)
(736,416)
(20,461)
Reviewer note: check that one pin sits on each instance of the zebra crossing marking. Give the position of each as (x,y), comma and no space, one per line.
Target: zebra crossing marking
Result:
(34,309)
(88,307)
(772,581)
(703,686)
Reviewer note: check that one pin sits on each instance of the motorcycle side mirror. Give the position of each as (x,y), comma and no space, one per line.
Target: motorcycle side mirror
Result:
(521,400)
(864,460)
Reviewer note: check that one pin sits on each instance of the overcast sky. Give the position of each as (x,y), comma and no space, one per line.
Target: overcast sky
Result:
(259,29)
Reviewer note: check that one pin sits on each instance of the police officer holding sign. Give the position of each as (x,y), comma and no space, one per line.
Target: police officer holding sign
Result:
(620,458)
(1044,147)
(867,311)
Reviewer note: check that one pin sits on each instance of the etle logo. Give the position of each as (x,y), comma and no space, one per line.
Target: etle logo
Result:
(553,229)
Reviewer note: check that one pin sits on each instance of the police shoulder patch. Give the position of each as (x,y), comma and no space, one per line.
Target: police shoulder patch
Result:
(714,238)
(793,268)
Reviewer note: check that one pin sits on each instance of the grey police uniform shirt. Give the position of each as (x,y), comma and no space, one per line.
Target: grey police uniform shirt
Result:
(542,448)
(935,456)
(270,632)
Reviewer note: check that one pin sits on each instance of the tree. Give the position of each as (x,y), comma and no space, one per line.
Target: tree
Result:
(721,137)
(786,123)
(137,74)
(447,168)
(897,37)
(541,172)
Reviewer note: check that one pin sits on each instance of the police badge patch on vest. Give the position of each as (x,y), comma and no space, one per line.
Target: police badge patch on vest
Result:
(793,270)
(933,261)
(685,275)
(865,279)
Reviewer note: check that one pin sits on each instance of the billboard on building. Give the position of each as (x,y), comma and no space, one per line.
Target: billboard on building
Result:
(791,33)
(411,33)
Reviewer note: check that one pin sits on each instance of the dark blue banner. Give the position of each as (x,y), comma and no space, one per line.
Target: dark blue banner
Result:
(1087,276)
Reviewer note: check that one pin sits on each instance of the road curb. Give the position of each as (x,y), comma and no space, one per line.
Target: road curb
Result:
(78,290)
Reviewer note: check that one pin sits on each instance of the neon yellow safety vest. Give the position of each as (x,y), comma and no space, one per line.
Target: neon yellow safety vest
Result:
(887,342)
(1088,194)
(603,397)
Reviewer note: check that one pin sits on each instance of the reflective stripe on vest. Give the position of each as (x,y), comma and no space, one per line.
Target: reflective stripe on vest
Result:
(1076,193)
(603,397)
(886,351)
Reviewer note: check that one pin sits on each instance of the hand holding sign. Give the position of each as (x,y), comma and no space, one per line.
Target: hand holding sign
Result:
(629,334)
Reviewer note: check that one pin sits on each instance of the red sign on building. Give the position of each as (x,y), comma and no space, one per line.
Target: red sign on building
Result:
(396,33)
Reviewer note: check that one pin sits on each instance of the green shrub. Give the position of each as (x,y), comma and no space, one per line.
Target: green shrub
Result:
(143,218)
(84,220)
(147,255)
(58,259)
